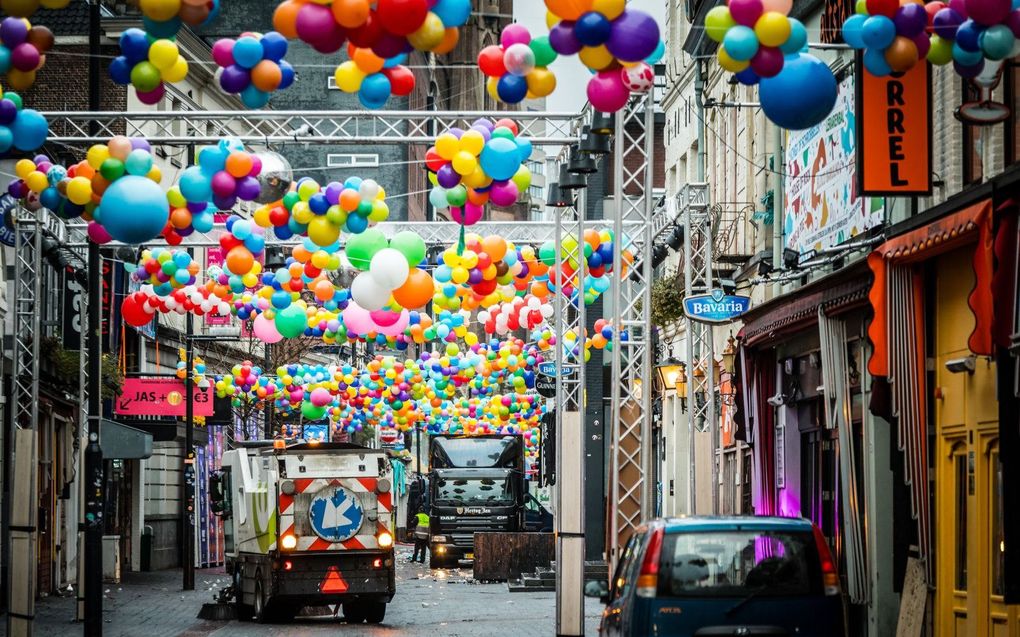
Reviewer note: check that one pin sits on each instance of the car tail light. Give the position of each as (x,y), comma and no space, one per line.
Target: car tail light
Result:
(648,577)
(377,563)
(385,540)
(830,578)
(288,565)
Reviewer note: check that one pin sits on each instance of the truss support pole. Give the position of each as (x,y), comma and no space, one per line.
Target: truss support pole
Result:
(570,400)
(631,495)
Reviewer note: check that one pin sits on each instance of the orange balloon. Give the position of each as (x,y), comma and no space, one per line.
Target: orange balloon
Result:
(591,237)
(568,9)
(324,290)
(83,169)
(266,76)
(540,289)
(349,199)
(495,247)
(239,164)
(350,14)
(301,255)
(416,291)
(367,61)
(478,198)
(180,218)
(285,18)
(240,260)
(450,38)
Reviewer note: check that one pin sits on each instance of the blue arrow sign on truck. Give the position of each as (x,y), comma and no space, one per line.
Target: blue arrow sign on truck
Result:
(716,307)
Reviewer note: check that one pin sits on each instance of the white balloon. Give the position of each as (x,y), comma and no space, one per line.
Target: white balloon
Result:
(546,310)
(389,267)
(224,308)
(369,189)
(369,293)
(171,303)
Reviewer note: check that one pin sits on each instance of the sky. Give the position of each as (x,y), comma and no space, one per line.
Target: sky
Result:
(571,76)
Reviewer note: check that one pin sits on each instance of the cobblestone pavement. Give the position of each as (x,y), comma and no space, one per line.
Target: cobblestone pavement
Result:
(442,603)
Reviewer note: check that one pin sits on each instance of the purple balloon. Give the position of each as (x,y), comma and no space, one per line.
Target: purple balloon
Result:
(767,62)
(333,190)
(1013,22)
(223,184)
(456,132)
(247,188)
(910,20)
(475,276)
(503,193)
(483,131)
(197,207)
(634,37)
(140,143)
(389,45)
(447,176)
(151,97)
(41,159)
(224,203)
(315,23)
(563,40)
(988,12)
(235,79)
(484,123)
(960,6)
(25,57)
(13,32)
(923,43)
(946,23)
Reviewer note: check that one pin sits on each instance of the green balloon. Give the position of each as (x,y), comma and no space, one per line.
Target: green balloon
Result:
(718,22)
(362,247)
(410,245)
(111,169)
(291,321)
(145,76)
(544,53)
(547,253)
(14,97)
(290,199)
(456,196)
(311,412)
(941,51)
(504,132)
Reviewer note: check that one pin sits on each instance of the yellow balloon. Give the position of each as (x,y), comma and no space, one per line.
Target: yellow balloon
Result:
(596,58)
(477,179)
(429,35)
(79,190)
(472,142)
(491,85)
(772,28)
(380,211)
(612,9)
(349,77)
(163,54)
(37,182)
(160,10)
(177,72)
(465,163)
(155,174)
(541,82)
(24,168)
(261,217)
(731,65)
(301,212)
(447,146)
(97,154)
(551,19)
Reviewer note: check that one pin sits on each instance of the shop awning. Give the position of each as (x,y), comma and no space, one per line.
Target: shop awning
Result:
(120,442)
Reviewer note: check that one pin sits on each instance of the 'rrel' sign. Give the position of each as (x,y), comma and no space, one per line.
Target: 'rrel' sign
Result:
(161,397)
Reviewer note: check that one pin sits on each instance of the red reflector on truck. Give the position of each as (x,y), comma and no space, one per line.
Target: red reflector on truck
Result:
(333,582)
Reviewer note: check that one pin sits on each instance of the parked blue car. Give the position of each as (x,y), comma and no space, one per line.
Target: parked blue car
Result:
(711,576)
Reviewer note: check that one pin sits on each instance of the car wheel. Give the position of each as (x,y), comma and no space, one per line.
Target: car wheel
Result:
(353,613)
(259,613)
(375,612)
(244,611)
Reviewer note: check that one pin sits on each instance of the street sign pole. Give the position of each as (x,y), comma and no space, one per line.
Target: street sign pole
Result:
(189,458)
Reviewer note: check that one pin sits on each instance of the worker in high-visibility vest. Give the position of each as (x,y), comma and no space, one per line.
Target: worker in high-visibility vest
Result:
(421,536)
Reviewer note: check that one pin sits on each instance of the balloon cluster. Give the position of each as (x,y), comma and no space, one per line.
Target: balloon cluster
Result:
(197,371)
(253,66)
(490,270)
(386,270)
(123,191)
(25,8)
(165,270)
(39,183)
(596,248)
(23,50)
(893,37)
(225,173)
(484,164)
(164,18)
(373,78)
(756,36)
(186,218)
(242,244)
(147,64)
(616,43)
(517,68)
(528,312)
(139,308)
(21,128)
(322,214)
(244,383)
(388,27)
(969,33)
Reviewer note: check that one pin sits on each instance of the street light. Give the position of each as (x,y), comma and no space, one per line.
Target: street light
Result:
(681,387)
(729,356)
(668,371)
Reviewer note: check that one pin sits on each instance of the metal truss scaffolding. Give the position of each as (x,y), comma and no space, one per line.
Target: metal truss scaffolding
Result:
(630,483)
(697,268)
(27,317)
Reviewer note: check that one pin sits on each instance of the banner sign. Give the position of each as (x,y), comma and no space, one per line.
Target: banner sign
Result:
(824,207)
(7,206)
(71,329)
(161,397)
(548,368)
(895,132)
(716,307)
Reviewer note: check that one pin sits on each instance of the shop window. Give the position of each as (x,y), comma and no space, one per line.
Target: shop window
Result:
(960,532)
(998,530)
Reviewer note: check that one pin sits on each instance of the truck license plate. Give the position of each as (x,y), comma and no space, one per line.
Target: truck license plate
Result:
(469,556)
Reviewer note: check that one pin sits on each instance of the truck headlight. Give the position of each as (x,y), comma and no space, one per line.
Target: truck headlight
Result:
(288,542)
(439,538)
(385,540)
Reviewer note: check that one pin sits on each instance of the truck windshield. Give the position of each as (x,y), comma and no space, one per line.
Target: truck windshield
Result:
(738,563)
(473,490)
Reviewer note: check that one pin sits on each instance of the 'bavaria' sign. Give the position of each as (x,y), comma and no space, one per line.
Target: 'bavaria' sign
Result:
(716,307)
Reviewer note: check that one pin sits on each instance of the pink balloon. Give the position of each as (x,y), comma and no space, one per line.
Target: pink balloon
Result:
(746,12)
(357,319)
(504,194)
(960,6)
(469,215)
(223,52)
(514,34)
(98,233)
(265,330)
(989,12)
(607,92)
(398,326)
(321,397)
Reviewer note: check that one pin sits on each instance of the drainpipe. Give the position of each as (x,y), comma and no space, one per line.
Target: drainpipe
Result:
(778,206)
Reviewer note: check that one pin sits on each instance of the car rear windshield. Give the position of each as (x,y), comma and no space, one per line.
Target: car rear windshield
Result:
(739,563)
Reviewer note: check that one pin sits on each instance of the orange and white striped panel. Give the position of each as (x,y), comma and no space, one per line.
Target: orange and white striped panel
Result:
(365,539)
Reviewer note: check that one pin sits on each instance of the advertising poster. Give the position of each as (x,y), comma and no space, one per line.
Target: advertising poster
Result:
(823,204)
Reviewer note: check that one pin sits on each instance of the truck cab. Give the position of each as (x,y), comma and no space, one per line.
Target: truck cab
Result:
(476,484)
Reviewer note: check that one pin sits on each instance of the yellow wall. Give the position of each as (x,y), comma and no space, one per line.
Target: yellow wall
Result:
(966,457)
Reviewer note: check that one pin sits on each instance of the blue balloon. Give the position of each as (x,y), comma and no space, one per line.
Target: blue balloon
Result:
(748,77)
(657,54)
(798,38)
(286,75)
(375,90)
(283,232)
(203,221)
(134,45)
(396,60)
(802,95)
(161,30)
(356,224)
(256,243)
(875,63)
(965,57)
(120,70)
(500,159)
(741,43)
(593,29)
(878,32)
(525,148)
(274,46)
(318,203)
(997,42)
(254,98)
(247,52)
(512,89)
(29,130)
(212,159)
(194,185)
(968,36)
(135,209)
(50,198)
(5,59)
(853,31)
(453,13)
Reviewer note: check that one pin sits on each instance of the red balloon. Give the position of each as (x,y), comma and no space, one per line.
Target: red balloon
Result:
(229,241)
(278,216)
(367,34)
(401,80)
(490,61)
(389,45)
(402,17)
(883,7)
(134,312)
(433,161)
